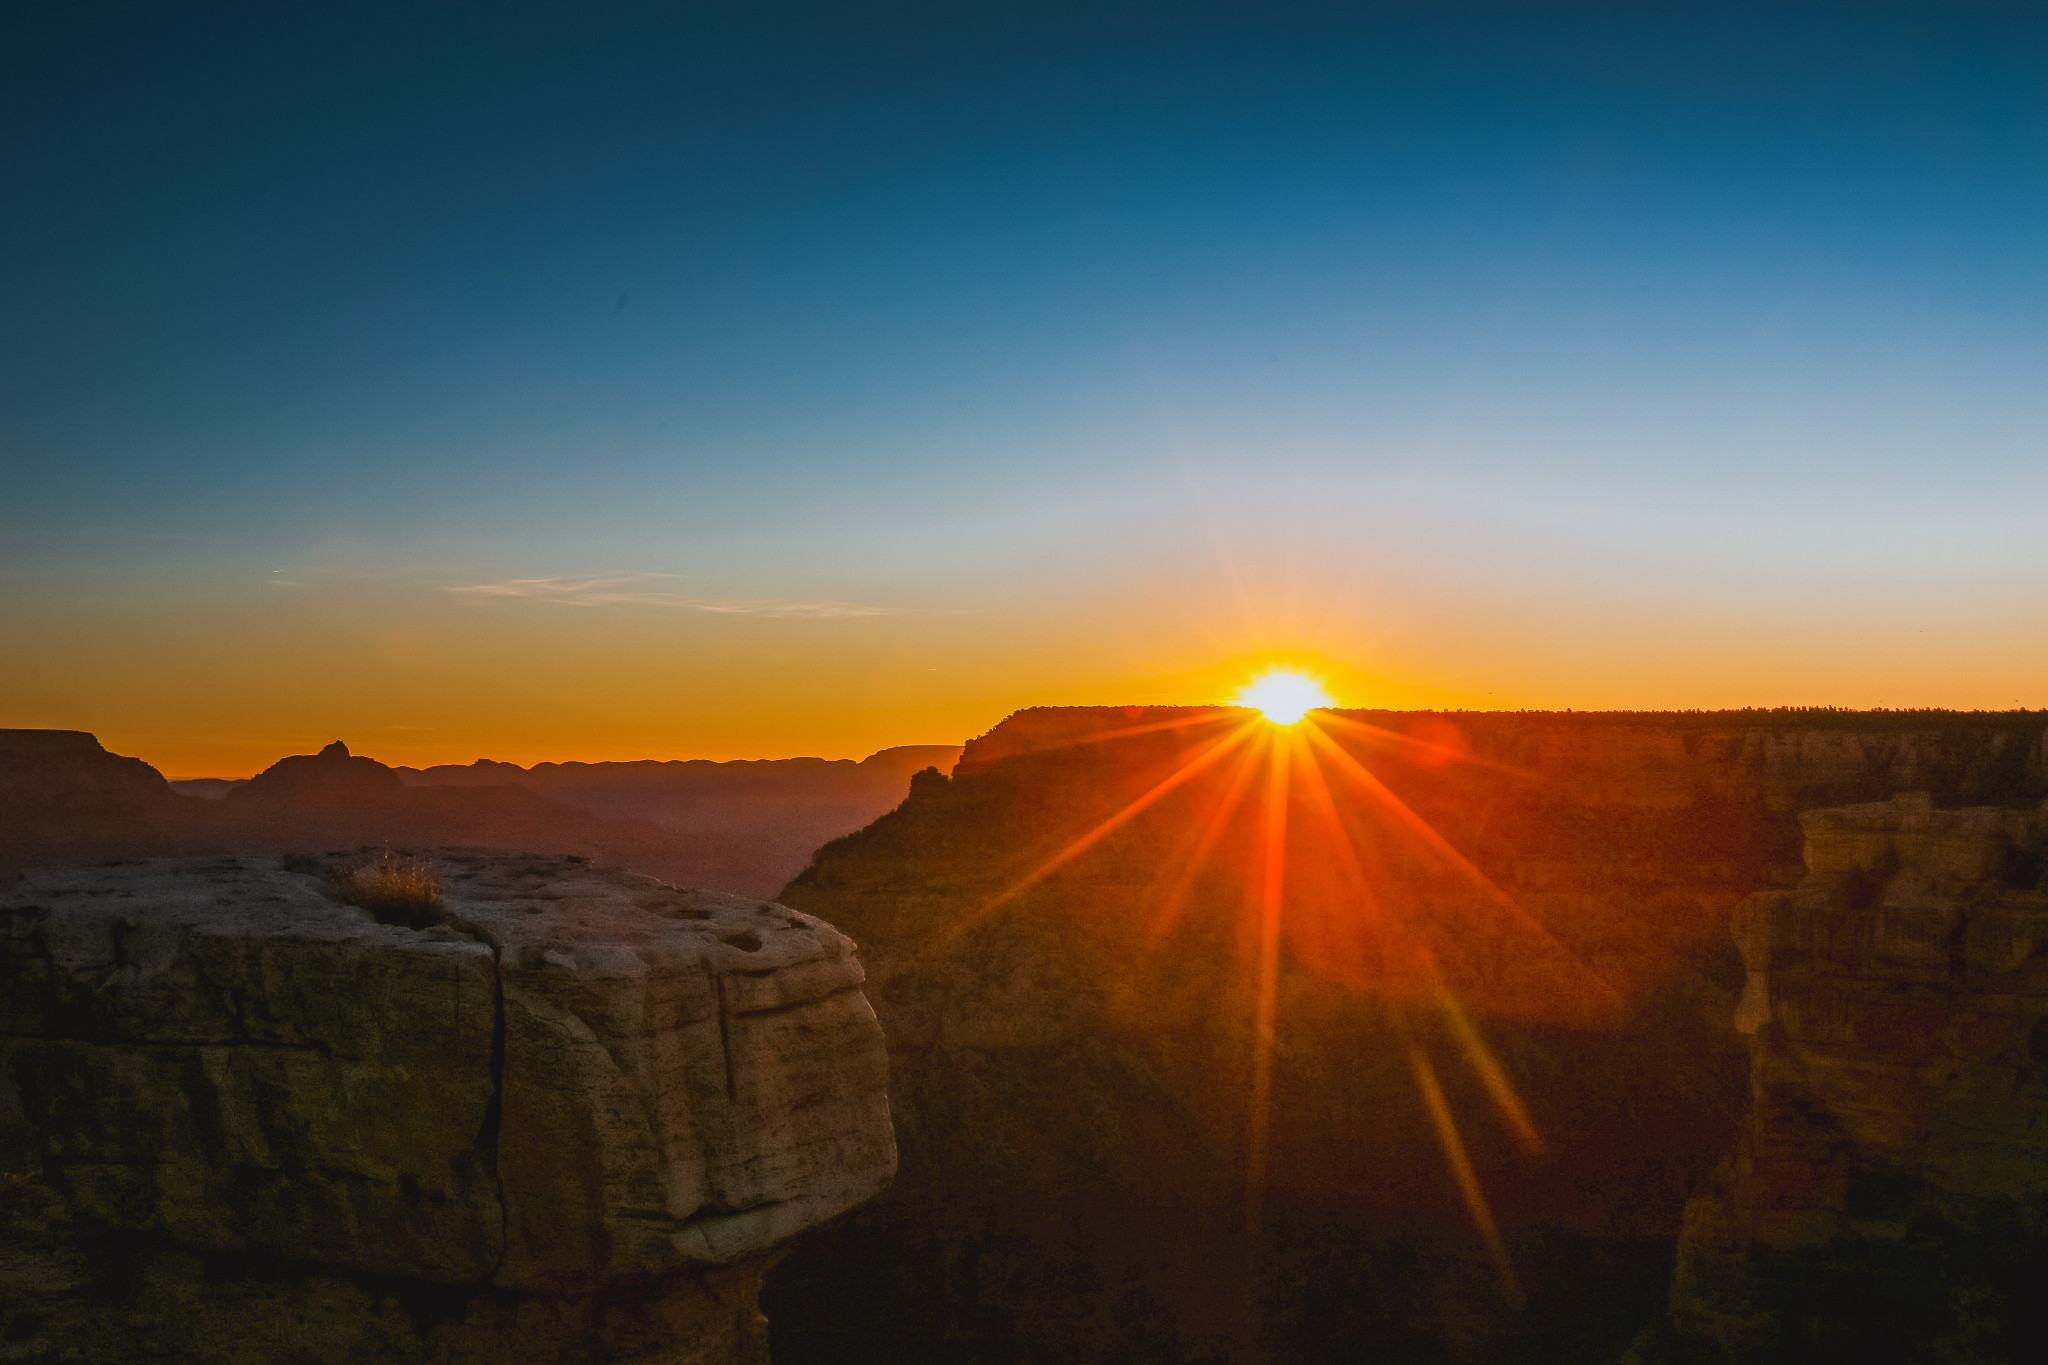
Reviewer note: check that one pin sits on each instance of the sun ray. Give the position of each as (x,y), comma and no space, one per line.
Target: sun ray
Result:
(1429,750)
(1176,901)
(1606,994)
(1482,1061)
(1323,804)
(1216,716)
(1481,1058)
(1200,760)
(1461,1167)
(1272,886)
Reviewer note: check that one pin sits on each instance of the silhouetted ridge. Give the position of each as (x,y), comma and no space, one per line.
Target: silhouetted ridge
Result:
(741,827)
(52,772)
(333,775)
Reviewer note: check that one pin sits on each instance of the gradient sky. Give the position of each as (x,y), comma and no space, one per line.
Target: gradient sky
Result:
(724,380)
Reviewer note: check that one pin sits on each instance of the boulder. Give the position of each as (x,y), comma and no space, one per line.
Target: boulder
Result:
(569,1085)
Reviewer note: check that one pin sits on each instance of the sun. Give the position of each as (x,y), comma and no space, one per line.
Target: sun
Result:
(1283,696)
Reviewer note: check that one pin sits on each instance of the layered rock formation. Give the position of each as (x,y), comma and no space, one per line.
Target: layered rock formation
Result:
(1069,987)
(572,1118)
(1888,1198)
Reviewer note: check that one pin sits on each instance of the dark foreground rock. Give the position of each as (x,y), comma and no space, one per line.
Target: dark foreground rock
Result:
(573,1117)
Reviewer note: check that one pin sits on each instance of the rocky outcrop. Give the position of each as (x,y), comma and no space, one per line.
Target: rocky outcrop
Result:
(570,1118)
(1888,1198)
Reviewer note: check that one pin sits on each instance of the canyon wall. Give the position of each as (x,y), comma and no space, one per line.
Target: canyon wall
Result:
(1888,1194)
(1501,963)
(562,1113)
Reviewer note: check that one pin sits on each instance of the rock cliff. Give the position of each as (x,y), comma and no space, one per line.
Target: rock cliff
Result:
(1069,991)
(1888,1196)
(571,1114)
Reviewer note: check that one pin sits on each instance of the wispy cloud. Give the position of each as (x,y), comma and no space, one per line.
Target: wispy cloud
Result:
(639,590)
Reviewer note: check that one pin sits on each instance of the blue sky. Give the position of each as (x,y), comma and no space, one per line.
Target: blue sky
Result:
(1049,319)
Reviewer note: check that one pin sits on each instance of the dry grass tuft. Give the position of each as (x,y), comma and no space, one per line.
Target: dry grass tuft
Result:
(395,889)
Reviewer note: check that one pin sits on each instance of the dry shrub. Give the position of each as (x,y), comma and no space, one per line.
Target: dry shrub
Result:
(395,889)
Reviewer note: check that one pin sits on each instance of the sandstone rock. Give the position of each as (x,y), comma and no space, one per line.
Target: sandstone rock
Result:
(1896,1149)
(578,1085)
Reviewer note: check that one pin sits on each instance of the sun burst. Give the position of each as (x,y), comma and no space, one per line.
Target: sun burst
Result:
(1283,695)
(1292,787)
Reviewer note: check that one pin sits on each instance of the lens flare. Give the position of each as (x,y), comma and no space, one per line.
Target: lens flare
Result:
(1283,696)
(1326,909)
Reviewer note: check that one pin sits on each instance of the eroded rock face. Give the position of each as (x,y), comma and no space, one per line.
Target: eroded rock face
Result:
(1890,1190)
(580,1087)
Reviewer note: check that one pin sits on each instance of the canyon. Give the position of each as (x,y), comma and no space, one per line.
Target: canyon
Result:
(1445,1037)
(1888,1191)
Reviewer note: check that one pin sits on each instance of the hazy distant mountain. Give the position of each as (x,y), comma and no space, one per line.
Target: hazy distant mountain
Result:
(755,822)
(746,827)
(211,788)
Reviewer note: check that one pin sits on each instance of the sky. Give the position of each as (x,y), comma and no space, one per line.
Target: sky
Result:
(746,380)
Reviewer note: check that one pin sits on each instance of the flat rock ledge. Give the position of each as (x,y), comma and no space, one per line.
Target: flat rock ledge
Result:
(572,1117)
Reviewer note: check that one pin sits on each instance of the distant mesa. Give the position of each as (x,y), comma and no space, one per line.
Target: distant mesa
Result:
(49,742)
(332,775)
(67,769)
